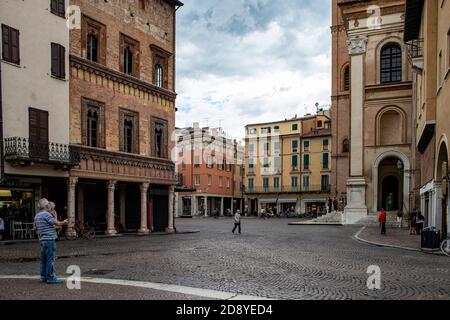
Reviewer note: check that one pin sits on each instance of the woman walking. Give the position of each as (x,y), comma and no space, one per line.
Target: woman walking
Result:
(412,222)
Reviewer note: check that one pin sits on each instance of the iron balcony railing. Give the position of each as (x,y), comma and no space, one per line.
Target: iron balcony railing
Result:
(23,149)
(415,49)
(291,189)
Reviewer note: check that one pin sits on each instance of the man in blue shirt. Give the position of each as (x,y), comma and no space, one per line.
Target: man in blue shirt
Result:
(45,225)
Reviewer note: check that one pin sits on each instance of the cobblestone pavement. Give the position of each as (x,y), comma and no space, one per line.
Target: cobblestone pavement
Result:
(394,237)
(270,259)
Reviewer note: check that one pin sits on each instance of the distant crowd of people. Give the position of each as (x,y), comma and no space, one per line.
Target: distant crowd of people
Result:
(416,221)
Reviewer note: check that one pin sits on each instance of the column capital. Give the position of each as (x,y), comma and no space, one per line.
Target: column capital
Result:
(111,185)
(357,44)
(144,187)
(72,182)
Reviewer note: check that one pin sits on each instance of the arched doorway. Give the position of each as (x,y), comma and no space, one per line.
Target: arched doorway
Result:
(440,175)
(390,184)
(390,193)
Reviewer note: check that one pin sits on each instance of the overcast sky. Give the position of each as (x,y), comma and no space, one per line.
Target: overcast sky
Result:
(250,61)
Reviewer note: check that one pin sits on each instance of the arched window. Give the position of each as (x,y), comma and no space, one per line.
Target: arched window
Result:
(346,146)
(346,79)
(159,75)
(128,60)
(391,63)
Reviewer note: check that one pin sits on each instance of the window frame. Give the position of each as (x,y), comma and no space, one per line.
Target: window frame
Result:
(8,32)
(129,115)
(55,8)
(88,104)
(133,46)
(58,61)
(163,125)
(387,67)
(98,29)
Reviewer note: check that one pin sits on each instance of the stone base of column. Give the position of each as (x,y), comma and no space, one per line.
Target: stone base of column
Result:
(143,232)
(111,233)
(170,230)
(71,233)
(356,209)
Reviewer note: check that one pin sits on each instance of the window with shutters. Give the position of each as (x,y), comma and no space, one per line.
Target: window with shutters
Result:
(93,123)
(93,37)
(325,160)
(346,76)
(306,162)
(129,56)
(58,7)
(160,59)
(38,133)
(129,131)
(159,138)
(58,61)
(10,45)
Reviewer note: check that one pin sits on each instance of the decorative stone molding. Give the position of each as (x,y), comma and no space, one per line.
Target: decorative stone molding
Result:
(357,44)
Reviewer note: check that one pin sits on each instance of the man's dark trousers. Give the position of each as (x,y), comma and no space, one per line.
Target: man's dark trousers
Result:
(383,228)
(236,225)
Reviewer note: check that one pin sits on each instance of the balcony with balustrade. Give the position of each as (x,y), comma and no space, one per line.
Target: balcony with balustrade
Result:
(24,152)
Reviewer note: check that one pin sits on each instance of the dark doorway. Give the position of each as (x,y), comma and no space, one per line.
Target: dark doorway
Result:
(390,186)
(132,207)
(95,206)
(57,192)
(160,203)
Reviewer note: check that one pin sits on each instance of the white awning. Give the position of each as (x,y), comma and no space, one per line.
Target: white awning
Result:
(287,201)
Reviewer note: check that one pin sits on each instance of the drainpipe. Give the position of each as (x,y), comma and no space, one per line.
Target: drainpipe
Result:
(2,157)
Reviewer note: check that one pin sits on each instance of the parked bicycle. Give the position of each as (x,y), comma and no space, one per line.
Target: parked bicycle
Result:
(84,231)
(445,247)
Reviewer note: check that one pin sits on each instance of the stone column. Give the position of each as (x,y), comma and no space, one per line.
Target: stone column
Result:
(206,206)
(232,206)
(193,206)
(170,228)
(177,206)
(110,227)
(71,188)
(222,208)
(143,230)
(356,185)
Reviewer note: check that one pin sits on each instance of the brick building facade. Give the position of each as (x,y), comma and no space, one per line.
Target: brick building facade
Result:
(122,115)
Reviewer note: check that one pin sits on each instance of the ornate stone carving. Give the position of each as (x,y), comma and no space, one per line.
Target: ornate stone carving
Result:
(357,44)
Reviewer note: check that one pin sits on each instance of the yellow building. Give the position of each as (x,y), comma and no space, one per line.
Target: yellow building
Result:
(288,164)
(427,34)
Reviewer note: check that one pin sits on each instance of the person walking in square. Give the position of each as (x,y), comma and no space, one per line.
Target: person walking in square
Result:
(237,221)
(2,227)
(419,223)
(382,220)
(412,222)
(399,218)
(46,229)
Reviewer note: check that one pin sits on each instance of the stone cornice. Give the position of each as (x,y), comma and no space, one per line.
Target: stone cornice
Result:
(119,77)
(126,159)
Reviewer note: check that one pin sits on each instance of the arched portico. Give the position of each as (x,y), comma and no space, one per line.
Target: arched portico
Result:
(402,175)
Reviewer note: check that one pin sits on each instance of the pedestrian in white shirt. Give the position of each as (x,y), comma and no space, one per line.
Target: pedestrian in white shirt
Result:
(237,221)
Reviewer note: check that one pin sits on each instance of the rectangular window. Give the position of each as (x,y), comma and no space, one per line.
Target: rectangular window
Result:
(251,164)
(276,146)
(276,129)
(319,124)
(266,130)
(306,145)
(266,184)
(220,182)
(10,45)
(209,180)
(93,123)
(294,146)
(38,133)
(251,184)
(325,160)
(325,144)
(251,148)
(58,61)
(197,180)
(266,148)
(252,131)
(93,40)
(294,182)
(159,138)
(266,163)
(58,7)
(325,183)
(197,161)
(228,183)
(276,183)
(306,162)
(305,183)
(129,56)
(276,163)
(294,162)
(129,131)
(209,162)
(295,127)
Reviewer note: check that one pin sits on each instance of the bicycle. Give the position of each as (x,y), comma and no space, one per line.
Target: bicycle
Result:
(445,247)
(84,231)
